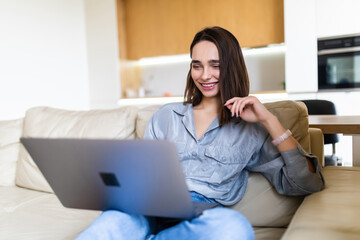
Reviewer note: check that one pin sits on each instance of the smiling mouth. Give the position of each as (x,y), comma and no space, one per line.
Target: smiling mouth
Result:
(208,84)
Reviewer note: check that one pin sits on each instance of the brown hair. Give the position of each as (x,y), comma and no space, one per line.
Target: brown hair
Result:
(234,80)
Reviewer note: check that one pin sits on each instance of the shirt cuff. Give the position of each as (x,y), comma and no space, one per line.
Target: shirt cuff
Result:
(295,158)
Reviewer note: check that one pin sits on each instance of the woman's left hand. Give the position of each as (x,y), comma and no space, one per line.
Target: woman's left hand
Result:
(248,108)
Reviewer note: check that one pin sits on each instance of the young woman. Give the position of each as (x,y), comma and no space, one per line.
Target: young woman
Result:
(221,134)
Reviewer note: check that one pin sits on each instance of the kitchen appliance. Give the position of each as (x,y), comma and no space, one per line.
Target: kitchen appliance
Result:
(339,62)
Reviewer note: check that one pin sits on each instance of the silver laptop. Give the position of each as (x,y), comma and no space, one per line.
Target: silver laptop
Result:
(134,176)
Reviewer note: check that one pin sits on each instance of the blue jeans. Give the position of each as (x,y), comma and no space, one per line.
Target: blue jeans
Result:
(216,223)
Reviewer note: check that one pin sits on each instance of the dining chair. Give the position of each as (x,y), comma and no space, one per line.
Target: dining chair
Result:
(325,107)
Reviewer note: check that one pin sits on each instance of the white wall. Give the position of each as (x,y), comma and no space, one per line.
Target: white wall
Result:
(265,66)
(102,53)
(337,17)
(42,55)
(167,78)
(301,45)
(47,56)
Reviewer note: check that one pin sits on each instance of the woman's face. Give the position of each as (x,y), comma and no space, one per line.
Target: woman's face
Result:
(205,68)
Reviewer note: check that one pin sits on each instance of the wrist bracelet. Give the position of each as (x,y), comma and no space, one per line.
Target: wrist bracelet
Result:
(282,138)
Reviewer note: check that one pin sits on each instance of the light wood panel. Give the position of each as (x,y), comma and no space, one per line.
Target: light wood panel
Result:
(336,123)
(166,27)
(130,74)
(120,5)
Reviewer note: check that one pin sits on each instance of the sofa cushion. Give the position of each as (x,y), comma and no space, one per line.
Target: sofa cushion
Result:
(55,123)
(263,206)
(143,116)
(293,115)
(10,132)
(268,233)
(12,198)
(28,214)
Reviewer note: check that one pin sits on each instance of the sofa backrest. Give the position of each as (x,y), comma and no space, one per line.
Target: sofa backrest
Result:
(294,116)
(56,123)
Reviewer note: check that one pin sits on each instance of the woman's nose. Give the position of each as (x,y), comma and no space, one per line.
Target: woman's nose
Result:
(206,75)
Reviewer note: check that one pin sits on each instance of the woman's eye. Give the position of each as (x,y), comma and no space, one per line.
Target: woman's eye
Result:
(196,66)
(216,66)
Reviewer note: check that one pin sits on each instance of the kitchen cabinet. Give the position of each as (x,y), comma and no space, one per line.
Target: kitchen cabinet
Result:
(163,27)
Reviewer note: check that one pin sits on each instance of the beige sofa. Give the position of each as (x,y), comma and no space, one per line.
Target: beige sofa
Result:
(30,210)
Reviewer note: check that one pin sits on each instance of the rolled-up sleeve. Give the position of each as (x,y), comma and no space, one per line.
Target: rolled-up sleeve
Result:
(287,171)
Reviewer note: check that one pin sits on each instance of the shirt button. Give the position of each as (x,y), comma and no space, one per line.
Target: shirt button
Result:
(194,153)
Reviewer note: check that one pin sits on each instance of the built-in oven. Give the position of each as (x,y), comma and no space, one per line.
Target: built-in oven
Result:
(339,62)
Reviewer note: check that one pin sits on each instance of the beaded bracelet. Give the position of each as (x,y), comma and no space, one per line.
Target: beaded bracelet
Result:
(282,138)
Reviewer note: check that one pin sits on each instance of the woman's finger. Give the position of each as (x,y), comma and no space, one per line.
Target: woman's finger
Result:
(240,106)
(244,104)
(236,108)
(228,106)
(231,100)
(233,108)
(228,102)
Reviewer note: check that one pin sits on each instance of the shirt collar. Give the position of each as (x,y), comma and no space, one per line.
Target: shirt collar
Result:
(188,120)
(184,109)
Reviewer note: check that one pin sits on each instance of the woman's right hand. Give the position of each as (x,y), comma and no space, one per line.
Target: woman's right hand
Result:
(249,108)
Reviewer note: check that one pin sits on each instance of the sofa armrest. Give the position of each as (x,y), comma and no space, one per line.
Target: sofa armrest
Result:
(317,144)
(332,213)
